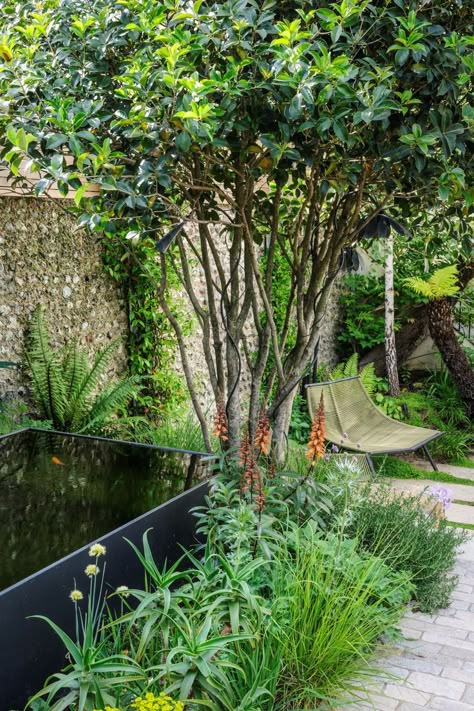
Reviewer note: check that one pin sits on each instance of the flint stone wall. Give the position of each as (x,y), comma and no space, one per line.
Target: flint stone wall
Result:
(45,260)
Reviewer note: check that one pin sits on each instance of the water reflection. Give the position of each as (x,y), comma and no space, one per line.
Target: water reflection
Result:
(58,493)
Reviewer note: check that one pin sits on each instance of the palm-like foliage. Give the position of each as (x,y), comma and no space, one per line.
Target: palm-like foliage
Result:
(65,384)
(442,283)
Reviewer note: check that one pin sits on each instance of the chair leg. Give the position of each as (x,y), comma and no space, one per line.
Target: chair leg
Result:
(430,458)
(370,464)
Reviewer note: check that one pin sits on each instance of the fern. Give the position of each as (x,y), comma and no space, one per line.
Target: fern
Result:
(113,399)
(442,283)
(350,369)
(75,365)
(65,384)
(89,384)
(45,370)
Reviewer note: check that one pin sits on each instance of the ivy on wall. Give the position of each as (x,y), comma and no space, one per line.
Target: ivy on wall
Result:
(151,342)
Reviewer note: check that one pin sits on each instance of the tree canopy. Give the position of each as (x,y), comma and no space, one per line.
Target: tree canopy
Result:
(282,126)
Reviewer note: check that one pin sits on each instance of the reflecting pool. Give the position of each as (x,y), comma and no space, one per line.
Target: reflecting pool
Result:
(59,492)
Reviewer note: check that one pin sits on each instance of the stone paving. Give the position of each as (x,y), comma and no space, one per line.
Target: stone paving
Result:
(460,513)
(433,668)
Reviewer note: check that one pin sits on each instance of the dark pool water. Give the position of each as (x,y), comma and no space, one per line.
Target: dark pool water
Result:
(58,493)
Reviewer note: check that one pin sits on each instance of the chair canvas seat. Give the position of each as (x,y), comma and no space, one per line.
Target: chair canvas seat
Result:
(354,422)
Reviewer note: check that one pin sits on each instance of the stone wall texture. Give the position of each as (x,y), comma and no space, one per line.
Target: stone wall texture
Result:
(45,260)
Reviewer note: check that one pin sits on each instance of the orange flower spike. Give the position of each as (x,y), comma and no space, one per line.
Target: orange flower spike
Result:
(220,423)
(317,436)
(244,450)
(262,435)
(272,469)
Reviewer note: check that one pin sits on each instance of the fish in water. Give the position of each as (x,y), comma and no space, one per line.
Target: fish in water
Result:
(55,460)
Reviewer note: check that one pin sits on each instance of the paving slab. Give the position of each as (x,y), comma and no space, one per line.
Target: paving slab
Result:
(462,513)
(463,472)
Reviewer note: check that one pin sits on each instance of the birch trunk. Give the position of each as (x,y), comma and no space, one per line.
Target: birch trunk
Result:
(390,347)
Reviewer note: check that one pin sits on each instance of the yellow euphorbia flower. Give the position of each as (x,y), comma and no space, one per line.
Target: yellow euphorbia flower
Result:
(150,702)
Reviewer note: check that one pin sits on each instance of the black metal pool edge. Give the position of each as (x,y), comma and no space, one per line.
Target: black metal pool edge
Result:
(104,439)
(29,650)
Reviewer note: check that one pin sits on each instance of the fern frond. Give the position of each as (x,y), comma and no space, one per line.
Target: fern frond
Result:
(444,282)
(107,403)
(89,383)
(38,347)
(369,378)
(345,370)
(419,286)
(337,373)
(75,368)
(45,371)
(39,385)
(351,367)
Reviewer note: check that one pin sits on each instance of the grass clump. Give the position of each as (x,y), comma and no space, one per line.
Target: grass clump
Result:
(456,524)
(334,603)
(398,530)
(180,430)
(462,462)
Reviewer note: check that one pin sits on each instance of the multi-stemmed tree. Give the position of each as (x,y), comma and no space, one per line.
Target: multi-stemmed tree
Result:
(276,129)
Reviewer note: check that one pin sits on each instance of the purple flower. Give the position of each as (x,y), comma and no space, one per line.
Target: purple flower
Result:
(327,456)
(345,435)
(443,494)
(334,448)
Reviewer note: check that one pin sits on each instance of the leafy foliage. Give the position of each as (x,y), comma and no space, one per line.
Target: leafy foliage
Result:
(362,301)
(172,108)
(350,369)
(444,282)
(64,385)
(225,629)
(179,429)
(152,343)
(438,405)
(14,416)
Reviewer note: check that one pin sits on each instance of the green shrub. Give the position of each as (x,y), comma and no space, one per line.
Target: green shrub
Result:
(65,384)
(442,409)
(397,529)
(333,604)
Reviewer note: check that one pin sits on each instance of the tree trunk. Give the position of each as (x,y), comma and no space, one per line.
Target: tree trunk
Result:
(406,340)
(390,347)
(281,427)
(440,313)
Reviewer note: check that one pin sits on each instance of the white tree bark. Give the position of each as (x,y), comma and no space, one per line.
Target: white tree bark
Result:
(390,347)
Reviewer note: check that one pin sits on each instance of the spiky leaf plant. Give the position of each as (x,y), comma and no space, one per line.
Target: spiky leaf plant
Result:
(65,385)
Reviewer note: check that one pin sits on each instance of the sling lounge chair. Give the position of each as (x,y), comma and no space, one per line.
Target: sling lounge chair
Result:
(354,422)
